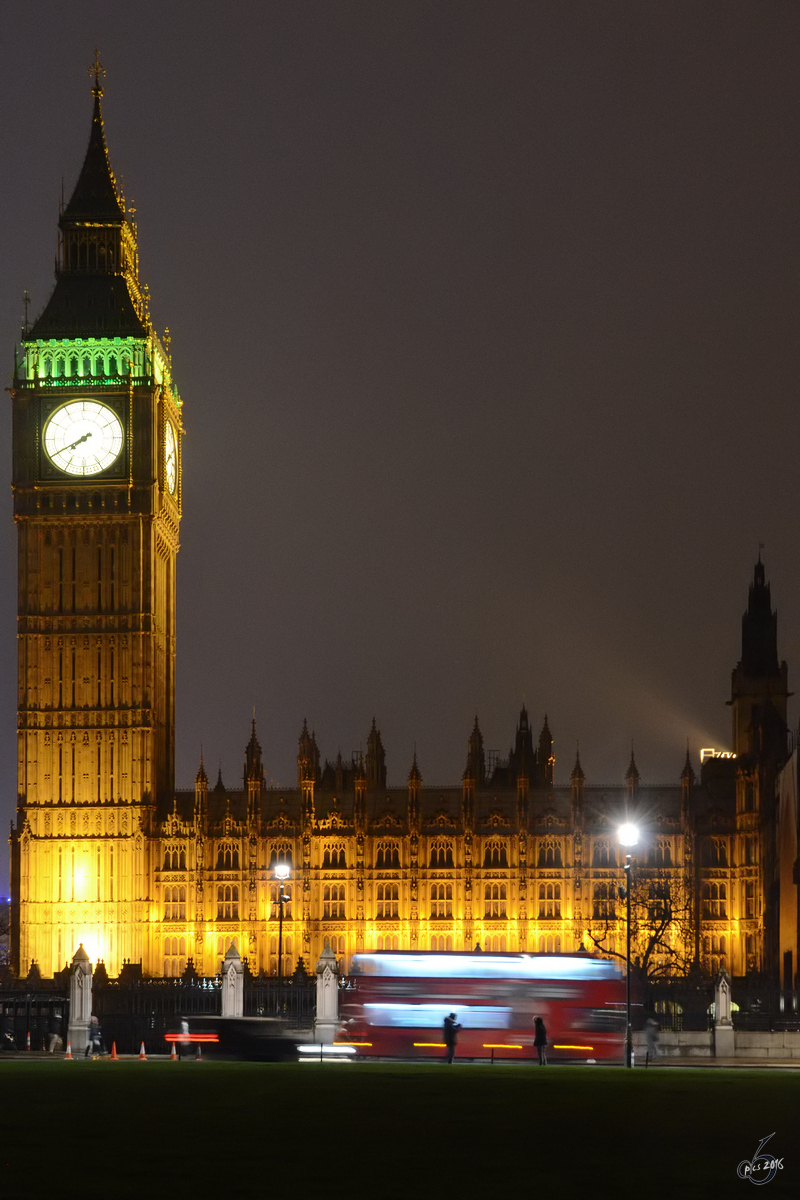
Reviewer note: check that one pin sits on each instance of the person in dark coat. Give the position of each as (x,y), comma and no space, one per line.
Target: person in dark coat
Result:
(93,1042)
(540,1040)
(450,1032)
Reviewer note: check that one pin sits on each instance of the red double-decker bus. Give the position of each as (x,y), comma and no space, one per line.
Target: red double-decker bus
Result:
(397,1002)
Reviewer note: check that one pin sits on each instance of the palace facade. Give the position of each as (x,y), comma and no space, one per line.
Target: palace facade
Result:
(106,852)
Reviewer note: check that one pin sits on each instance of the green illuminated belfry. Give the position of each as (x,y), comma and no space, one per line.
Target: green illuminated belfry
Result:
(95,327)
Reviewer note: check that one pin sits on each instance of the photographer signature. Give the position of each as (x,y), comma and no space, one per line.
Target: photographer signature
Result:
(761,1168)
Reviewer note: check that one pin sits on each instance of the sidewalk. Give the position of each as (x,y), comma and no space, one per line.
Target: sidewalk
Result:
(792,1064)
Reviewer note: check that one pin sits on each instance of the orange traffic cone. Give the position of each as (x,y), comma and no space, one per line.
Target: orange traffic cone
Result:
(68,1055)
(173,1056)
(28,1042)
(113,1056)
(142,1055)
(199,1053)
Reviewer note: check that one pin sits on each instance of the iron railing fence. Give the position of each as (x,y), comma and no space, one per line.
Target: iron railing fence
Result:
(145,1010)
(40,1013)
(294,1000)
(133,1010)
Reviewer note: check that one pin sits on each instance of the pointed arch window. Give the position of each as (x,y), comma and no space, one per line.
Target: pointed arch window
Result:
(550,853)
(228,857)
(280,854)
(550,943)
(495,901)
(603,902)
(334,857)
(604,854)
(387,856)
(333,902)
(174,956)
(715,902)
(549,901)
(495,854)
(441,854)
(228,903)
(388,901)
(441,901)
(175,903)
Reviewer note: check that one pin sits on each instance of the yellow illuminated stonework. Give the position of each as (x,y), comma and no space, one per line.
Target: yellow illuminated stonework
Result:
(106,852)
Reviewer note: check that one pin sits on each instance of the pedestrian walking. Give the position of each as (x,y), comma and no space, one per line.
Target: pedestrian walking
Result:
(651,1039)
(93,1044)
(540,1040)
(450,1031)
(7,1039)
(54,1035)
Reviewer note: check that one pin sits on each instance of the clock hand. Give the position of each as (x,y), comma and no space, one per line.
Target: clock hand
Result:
(80,439)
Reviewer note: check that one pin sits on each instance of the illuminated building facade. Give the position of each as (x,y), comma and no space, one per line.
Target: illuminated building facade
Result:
(97,493)
(106,852)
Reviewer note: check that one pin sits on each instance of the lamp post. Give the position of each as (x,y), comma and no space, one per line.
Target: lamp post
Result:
(628,836)
(281,874)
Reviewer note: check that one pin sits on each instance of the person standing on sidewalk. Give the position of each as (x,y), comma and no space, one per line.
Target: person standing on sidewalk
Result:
(450,1033)
(540,1040)
(651,1038)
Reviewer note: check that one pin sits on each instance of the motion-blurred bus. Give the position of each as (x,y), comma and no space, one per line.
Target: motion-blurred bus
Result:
(396,1004)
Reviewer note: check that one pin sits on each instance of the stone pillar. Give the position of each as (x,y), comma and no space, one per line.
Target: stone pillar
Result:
(327,1020)
(80,1001)
(724,1044)
(232,984)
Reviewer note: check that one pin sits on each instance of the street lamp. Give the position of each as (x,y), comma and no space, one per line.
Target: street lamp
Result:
(628,836)
(281,874)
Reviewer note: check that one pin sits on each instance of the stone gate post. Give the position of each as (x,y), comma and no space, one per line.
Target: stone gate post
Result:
(232,984)
(327,1019)
(724,1044)
(80,1001)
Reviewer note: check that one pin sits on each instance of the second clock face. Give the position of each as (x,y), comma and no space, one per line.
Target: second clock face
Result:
(170,457)
(83,437)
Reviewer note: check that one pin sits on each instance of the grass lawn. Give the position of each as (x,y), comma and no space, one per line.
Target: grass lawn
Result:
(172,1129)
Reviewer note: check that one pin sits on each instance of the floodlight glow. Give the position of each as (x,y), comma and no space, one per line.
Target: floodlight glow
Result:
(628,834)
(282,871)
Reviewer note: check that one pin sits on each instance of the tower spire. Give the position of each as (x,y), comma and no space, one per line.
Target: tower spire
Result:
(97,69)
(98,293)
(632,775)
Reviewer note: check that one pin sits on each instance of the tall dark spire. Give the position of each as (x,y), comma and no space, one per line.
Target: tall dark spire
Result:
(253,769)
(476,759)
(545,759)
(759,683)
(97,292)
(522,758)
(376,759)
(632,775)
(687,774)
(759,628)
(95,196)
(307,756)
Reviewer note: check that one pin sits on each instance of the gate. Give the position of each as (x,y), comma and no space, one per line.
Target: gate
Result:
(144,1010)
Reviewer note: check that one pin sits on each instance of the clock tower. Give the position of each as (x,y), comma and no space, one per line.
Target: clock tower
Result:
(97,501)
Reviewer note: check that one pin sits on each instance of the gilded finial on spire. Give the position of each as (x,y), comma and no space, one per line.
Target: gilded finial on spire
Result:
(97,69)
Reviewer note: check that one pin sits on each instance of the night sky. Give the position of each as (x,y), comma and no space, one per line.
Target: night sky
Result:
(485,317)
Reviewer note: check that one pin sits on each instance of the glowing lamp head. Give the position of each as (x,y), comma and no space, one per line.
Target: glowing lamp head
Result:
(281,870)
(628,834)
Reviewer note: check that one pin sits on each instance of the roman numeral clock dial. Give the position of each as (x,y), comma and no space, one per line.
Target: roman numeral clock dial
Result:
(170,458)
(83,437)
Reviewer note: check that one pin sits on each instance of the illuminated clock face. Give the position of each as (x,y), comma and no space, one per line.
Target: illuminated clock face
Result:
(170,457)
(83,437)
